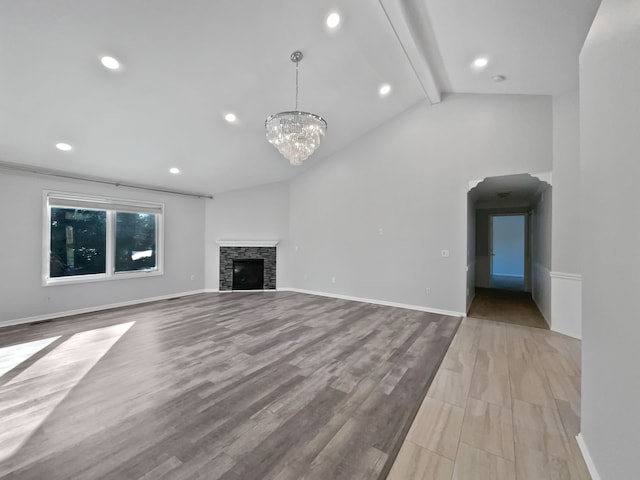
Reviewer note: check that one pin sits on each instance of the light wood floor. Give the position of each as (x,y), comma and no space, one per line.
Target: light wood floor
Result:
(504,405)
(517,308)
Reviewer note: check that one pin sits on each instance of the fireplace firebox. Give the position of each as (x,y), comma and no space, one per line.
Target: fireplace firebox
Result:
(248,274)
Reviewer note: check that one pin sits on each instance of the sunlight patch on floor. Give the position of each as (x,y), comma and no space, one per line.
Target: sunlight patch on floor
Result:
(48,381)
(14,355)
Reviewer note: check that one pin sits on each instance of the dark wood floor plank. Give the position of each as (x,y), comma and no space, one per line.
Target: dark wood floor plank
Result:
(273,385)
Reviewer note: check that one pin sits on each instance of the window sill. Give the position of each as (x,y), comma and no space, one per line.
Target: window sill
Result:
(101,277)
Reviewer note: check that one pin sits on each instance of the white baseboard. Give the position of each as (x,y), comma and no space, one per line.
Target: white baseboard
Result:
(587,458)
(79,311)
(376,302)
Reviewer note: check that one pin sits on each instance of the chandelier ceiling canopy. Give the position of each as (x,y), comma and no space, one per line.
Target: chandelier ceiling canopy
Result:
(295,134)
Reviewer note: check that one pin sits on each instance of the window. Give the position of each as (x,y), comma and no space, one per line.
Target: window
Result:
(78,242)
(91,238)
(135,241)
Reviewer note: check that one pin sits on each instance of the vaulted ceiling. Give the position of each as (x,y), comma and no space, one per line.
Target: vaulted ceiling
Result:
(185,65)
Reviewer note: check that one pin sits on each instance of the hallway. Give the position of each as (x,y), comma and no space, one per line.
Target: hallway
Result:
(517,308)
(503,282)
(505,404)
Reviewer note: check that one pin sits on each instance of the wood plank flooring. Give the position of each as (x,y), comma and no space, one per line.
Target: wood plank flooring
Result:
(506,306)
(505,404)
(246,386)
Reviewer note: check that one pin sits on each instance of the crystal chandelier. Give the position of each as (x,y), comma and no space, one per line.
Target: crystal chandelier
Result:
(295,134)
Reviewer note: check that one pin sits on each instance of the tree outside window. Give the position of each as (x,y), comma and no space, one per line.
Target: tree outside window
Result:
(78,242)
(135,241)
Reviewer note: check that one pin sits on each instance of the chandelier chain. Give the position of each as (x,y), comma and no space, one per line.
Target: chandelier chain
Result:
(297,84)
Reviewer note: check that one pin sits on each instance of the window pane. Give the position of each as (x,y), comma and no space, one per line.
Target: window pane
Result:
(135,241)
(78,242)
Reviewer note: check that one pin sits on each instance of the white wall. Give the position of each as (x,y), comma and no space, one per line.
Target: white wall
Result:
(409,178)
(260,213)
(610,168)
(540,233)
(21,210)
(566,182)
(483,249)
(471,252)
(566,281)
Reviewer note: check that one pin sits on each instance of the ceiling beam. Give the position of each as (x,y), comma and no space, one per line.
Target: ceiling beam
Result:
(412,35)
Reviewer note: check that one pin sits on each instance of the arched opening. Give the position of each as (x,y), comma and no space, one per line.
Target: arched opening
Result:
(509,249)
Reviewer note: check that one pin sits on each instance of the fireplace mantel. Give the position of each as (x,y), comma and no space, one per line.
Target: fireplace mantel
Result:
(248,243)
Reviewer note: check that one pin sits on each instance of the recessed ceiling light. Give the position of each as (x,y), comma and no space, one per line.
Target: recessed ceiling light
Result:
(174,170)
(384,90)
(333,20)
(498,78)
(480,62)
(110,63)
(65,147)
(230,117)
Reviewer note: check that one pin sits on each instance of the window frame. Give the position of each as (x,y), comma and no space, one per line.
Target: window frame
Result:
(111,206)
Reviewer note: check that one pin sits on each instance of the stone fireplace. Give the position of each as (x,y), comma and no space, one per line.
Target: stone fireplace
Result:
(242,251)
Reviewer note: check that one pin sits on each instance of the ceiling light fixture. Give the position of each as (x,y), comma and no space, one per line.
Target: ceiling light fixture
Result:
(65,147)
(230,117)
(384,90)
(174,170)
(110,63)
(295,134)
(480,62)
(333,20)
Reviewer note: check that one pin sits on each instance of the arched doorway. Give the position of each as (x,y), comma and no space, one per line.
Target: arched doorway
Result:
(509,242)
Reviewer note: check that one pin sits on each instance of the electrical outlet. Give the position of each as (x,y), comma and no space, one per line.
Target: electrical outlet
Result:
(333,279)
(381,231)
(444,253)
(428,291)
(193,277)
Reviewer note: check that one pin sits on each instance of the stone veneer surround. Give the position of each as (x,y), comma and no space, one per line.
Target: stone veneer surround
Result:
(228,254)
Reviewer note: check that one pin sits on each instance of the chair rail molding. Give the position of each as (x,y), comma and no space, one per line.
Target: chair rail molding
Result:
(566,276)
